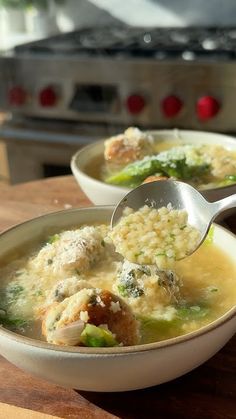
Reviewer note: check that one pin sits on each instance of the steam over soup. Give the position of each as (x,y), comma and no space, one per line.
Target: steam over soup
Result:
(133,157)
(74,289)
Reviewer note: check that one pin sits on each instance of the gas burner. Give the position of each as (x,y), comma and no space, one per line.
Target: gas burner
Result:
(209,44)
(179,37)
(188,55)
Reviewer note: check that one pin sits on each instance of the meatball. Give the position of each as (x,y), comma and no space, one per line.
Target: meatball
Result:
(79,249)
(223,163)
(73,250)
(130,146)
(145,287)
(90,306)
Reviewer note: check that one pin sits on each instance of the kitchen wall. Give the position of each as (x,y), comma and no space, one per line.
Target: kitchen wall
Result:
(148,12)
(23,25)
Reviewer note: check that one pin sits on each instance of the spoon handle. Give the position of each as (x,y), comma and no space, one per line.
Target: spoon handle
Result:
(222,205)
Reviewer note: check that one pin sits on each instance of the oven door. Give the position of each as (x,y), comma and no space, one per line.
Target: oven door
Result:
(39,148)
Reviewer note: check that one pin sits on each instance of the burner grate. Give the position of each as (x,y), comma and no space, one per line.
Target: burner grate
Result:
(126,42)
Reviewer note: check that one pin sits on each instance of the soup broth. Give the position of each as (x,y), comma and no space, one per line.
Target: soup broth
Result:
(132,157)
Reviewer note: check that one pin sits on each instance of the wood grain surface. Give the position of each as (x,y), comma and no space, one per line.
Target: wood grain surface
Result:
(8,411)
(208,392)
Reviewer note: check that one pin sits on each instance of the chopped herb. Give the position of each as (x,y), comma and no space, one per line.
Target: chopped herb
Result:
(38,293)
(145,270)
(193,312)
(232,178)
(53,239)
(103,243)
(128,290)
(210,236)
(19,273)
(161,254)
(15,290)
(183,227)
(212,288)
(57,318)
(50,261)
(93,300)
(130,280)
(57,292)
(12,323)
(77,271)
(139,253)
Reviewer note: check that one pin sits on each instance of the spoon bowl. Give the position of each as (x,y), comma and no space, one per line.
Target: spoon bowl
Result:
(181,196)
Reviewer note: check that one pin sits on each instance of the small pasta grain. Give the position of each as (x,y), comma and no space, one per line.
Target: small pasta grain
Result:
(155,236)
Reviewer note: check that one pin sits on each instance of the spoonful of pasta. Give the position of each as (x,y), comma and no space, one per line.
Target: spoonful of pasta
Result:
(164,221)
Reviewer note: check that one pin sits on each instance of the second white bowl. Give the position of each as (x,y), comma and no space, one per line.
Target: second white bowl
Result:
(101,193)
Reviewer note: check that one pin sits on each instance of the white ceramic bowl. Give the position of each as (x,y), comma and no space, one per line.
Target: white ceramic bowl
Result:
(101,193)
(110,369)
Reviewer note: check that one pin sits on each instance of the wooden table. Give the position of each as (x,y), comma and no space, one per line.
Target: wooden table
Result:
(209,392)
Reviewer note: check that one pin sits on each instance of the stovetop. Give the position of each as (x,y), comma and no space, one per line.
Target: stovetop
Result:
(123,41)
(121,75)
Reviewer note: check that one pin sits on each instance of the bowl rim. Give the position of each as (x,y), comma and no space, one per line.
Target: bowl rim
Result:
(76,168)
(118,351)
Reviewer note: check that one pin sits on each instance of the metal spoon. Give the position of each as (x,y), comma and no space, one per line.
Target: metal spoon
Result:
(201,213)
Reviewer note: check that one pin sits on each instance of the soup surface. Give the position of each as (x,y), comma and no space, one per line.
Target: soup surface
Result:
(132,157)
(74,289)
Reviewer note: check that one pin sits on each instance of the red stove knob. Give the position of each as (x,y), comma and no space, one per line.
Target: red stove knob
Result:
(48,97)
(135,104)
(171,106)
(17,96)
(207,107)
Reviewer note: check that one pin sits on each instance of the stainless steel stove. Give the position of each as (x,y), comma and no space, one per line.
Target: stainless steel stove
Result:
(104,79)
